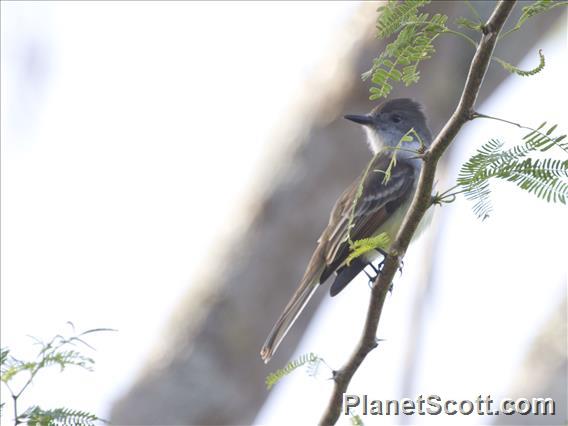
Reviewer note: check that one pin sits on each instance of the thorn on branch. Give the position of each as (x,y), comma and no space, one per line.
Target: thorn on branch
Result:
(375,344)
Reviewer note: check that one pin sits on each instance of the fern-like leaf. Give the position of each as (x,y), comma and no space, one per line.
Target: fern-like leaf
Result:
(275,377)
(531,10)
(414,44)
(394,14)
(14,366)
(364,245)
(544,141)
(36,416)
(67,358)
(409,136)
(545,178)
(513,69)
(470,177)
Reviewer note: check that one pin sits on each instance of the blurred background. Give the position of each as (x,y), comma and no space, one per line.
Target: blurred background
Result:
(166,168)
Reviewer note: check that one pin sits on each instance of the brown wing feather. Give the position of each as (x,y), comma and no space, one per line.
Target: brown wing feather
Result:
(373,208)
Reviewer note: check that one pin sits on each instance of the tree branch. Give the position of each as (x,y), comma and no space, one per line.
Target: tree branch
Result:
(420,203)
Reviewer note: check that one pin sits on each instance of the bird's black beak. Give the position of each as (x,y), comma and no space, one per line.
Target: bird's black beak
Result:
(360,119)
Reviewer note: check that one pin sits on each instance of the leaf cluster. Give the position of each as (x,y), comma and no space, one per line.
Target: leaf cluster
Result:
(416,33)
(414,44)
(53,352)
(60,351)
(394,14)
(546,178)
(35,416)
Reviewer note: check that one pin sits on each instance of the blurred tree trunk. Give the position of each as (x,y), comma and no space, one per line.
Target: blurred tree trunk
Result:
(208,369)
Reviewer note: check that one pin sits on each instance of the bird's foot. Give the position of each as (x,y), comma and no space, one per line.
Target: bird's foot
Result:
(376,270)
(371,278)
(379,268)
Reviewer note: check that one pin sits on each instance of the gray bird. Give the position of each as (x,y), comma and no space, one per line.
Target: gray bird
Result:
(380,208)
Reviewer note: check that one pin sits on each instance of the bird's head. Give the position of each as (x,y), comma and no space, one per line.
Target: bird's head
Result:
(388,122)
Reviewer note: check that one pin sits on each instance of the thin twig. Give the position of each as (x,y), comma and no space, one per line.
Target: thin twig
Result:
(420,203)
(475,115)
(15,399)
(462,35)
(474,11)
(471,41)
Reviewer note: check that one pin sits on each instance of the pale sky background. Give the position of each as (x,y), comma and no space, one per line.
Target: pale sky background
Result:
(112,113)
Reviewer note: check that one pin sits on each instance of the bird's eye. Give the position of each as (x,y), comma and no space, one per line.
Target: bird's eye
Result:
(396,118)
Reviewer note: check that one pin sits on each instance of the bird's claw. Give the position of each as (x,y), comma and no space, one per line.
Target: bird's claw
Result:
(377,270)
(371,278)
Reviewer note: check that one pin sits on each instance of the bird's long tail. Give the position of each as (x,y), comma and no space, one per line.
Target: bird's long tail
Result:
(295,306)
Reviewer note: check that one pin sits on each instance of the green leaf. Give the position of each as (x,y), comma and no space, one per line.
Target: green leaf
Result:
(413,44)
(67,358)
(407,137)
(518,71)
(36,416)
(394,14)
(365,245)
(275,377)
(531,10)
(12,367)
(545,178)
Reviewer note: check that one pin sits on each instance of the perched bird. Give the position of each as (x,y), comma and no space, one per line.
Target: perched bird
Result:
(380,207)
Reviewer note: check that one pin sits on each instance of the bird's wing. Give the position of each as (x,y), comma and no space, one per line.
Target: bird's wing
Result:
(376,203)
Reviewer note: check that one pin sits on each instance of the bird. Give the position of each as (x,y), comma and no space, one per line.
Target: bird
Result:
(380,206)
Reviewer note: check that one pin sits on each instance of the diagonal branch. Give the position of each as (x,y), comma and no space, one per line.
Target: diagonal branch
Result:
(421,202)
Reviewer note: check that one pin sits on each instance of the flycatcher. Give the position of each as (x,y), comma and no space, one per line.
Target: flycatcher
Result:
(380,207)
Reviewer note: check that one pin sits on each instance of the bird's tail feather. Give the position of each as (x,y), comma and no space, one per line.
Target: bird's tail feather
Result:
(288,317)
